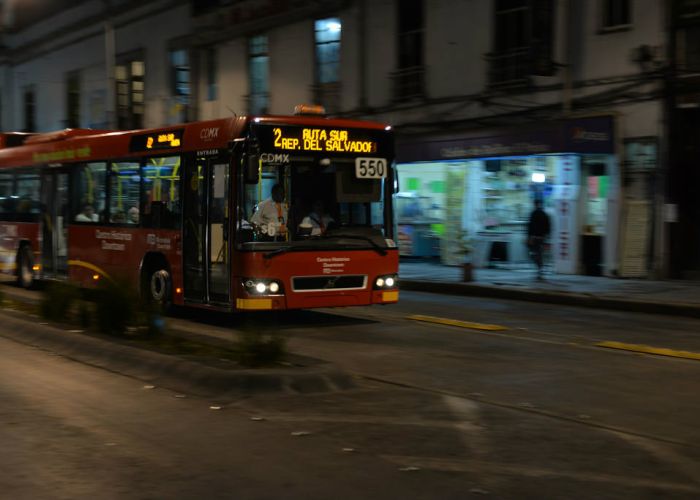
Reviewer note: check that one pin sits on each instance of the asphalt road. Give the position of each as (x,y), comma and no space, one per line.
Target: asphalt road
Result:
(534,410)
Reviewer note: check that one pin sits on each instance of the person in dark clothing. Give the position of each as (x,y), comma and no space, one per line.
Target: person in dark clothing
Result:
(538,229)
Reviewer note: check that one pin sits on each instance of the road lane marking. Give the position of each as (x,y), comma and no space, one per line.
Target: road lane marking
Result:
(460,324)
(647,349)
(449,464)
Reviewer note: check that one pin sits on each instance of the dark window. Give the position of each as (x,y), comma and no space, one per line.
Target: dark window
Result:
(409,78)
(180,88)
(258,74)
(410,33)
(73,100)
(29,109)
(130,75)
(688,49)
(523,41)
(616,13)
(212,74)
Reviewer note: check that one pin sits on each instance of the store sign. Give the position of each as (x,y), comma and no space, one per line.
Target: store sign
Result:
(584,135)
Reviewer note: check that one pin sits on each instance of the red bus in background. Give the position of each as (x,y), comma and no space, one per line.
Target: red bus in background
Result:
(172,210)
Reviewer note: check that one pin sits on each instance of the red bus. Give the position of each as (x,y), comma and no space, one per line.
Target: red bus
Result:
(174,211)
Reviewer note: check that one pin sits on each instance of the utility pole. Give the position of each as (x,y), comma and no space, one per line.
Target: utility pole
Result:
(110,101)
(568,84)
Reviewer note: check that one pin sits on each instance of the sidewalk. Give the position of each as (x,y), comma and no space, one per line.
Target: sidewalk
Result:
(518,282)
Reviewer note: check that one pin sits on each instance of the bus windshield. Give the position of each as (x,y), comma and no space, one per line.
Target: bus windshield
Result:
(313,203)
(330,189)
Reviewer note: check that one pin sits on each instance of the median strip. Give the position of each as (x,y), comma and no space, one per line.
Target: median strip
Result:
(646,349)
(460,324)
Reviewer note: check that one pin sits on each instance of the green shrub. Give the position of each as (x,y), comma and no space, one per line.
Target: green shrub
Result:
(116,306)
(260,349)
(57,301)
(85,314)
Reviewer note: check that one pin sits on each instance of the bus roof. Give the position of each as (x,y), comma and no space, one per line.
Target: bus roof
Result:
(84,145)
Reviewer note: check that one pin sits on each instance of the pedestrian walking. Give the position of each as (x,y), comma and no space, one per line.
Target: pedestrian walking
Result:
(538,229)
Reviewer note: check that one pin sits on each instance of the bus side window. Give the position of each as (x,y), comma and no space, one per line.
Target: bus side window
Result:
(7,202)
(124,187)
(88,204)
(27,202)
(160,205)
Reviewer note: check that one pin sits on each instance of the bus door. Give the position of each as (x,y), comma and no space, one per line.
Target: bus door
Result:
(206,249)
(54,219)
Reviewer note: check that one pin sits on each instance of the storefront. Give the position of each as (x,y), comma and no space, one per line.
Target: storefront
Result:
(481,188)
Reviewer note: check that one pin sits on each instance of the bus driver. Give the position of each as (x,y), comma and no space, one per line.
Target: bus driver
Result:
(271,214)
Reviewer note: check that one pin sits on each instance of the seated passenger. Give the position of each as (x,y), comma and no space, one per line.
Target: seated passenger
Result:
(133,215)
(87,214)
(119,217)
(318,219)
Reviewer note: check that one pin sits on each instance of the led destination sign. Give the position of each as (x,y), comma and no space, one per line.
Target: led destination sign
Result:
(160,140)
(322,140)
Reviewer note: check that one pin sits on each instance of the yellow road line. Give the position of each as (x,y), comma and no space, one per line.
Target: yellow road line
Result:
(646,349)
(454,322)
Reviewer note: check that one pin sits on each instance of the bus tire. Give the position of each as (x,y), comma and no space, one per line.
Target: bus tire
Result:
(160,288)
(25,264)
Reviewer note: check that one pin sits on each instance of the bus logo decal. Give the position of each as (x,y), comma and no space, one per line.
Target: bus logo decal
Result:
(209,134)
(276,158)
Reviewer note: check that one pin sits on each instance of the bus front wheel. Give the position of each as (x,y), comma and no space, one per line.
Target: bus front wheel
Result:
(25,271)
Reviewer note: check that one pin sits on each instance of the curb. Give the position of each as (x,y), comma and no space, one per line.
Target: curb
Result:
(170,371)
(560,298)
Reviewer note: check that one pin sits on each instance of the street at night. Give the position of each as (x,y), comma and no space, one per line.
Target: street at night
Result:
(438,411)
(349,249)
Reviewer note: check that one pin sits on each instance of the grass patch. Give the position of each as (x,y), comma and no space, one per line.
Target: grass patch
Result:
(57,301)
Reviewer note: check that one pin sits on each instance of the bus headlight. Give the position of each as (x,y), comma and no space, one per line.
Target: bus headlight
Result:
(261,286)
(385,282)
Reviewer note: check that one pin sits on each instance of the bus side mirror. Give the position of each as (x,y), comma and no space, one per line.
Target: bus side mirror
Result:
(251,164)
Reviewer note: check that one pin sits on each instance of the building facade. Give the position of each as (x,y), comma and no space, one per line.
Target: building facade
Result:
(495,103)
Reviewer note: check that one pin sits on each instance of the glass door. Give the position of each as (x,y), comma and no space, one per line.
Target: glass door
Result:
(206,254)
(54,216)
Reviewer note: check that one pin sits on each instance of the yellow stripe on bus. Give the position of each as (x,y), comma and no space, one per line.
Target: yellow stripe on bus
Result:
(254,304)
(460,324)
(91,267)
(390,296)
(647,349)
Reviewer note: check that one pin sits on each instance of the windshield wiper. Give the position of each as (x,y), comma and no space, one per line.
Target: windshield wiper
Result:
(275,253)
(379,249)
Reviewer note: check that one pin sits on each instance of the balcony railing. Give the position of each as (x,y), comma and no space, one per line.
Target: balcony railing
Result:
(409,83)
(327,95)
(510,68)
(258,103)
